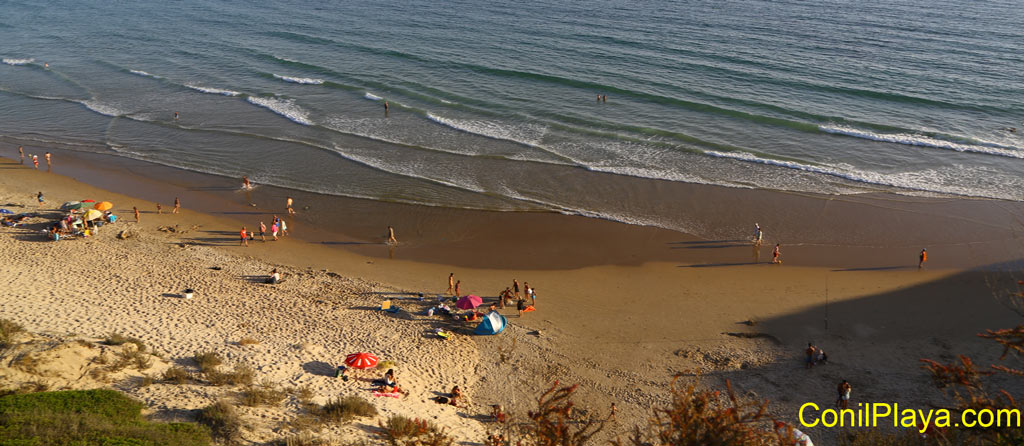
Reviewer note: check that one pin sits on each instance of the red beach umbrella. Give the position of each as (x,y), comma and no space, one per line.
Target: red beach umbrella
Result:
(361,360)
(469,302)
(88,201)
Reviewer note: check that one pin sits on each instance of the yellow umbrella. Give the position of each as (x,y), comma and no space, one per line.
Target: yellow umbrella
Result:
(92,214)
(103,205)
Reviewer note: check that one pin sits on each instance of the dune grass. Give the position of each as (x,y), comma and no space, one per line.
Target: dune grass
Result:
(87,418)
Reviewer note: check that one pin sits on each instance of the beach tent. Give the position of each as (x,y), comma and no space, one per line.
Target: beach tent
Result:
(492,324)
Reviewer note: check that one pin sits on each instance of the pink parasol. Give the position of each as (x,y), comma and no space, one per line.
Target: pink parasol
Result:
(469,302)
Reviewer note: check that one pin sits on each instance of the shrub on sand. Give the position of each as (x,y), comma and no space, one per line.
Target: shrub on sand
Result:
(207,360)
(223,420)
(263,395)
(119,339)
(346,408)
(404,431)
(177,375)
(8,329)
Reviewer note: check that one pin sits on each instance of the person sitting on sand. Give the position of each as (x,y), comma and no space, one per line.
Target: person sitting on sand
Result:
(390,384)
(821,357)
(275,277)
(498,413)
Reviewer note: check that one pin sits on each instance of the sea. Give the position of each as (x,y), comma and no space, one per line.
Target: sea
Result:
(536,105)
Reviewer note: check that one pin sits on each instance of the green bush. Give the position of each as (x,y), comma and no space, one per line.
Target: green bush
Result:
(88,418)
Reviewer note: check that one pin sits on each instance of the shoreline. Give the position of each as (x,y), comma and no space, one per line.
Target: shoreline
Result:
(621,329)
(844,232)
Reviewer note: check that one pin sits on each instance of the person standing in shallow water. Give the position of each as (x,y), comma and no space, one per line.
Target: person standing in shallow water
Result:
(47,160)
(136,210)
(775,255)
(21,151)
(391,236)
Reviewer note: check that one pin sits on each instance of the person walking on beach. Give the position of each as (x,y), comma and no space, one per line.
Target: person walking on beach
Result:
(515,288)
(263,232)
(245,237)
(284,228)
(458,285)
(40,198)
(177,205)
(775,255)
(136,210)
(47,160)
(35,160)
(844,390)
(273,230)
(921,258)
(21,152)
(159,209)
(451,283)
(289,207)
(391,236)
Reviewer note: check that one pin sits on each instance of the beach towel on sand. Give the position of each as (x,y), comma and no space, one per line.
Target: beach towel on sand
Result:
(528,309)
(391,394)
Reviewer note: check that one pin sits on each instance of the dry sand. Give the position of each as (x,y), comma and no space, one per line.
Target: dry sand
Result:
(619,329)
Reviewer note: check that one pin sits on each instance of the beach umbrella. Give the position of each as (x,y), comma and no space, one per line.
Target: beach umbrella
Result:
(469,302)
(92,214)
(88,201)
(5,211)
(69,205)
(361,360)
(103,205)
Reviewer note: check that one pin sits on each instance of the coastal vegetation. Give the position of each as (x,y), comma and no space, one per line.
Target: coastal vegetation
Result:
(87,418)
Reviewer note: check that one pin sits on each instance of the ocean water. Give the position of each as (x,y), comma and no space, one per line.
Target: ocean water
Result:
(494,105)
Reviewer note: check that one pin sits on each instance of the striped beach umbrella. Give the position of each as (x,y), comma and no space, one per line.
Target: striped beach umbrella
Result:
(361,360)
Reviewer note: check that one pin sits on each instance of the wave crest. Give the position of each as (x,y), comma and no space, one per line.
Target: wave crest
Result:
(212,90)
(299,80)
(12,61)
(283,107)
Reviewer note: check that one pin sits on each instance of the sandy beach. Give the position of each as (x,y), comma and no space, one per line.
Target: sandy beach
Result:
(620,308)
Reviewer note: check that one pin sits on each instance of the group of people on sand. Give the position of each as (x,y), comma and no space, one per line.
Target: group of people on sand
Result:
(512,294)
(35,158)
(277,226)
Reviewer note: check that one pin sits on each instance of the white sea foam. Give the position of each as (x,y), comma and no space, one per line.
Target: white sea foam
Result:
(926,141)
(372,96)
(525,134)
(144,74)
(101,108)
(920,181)
(300,80)
(212,90)
(283,107)
(18,61)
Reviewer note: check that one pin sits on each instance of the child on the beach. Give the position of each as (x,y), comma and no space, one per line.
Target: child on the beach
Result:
(775,255)
(40,198)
